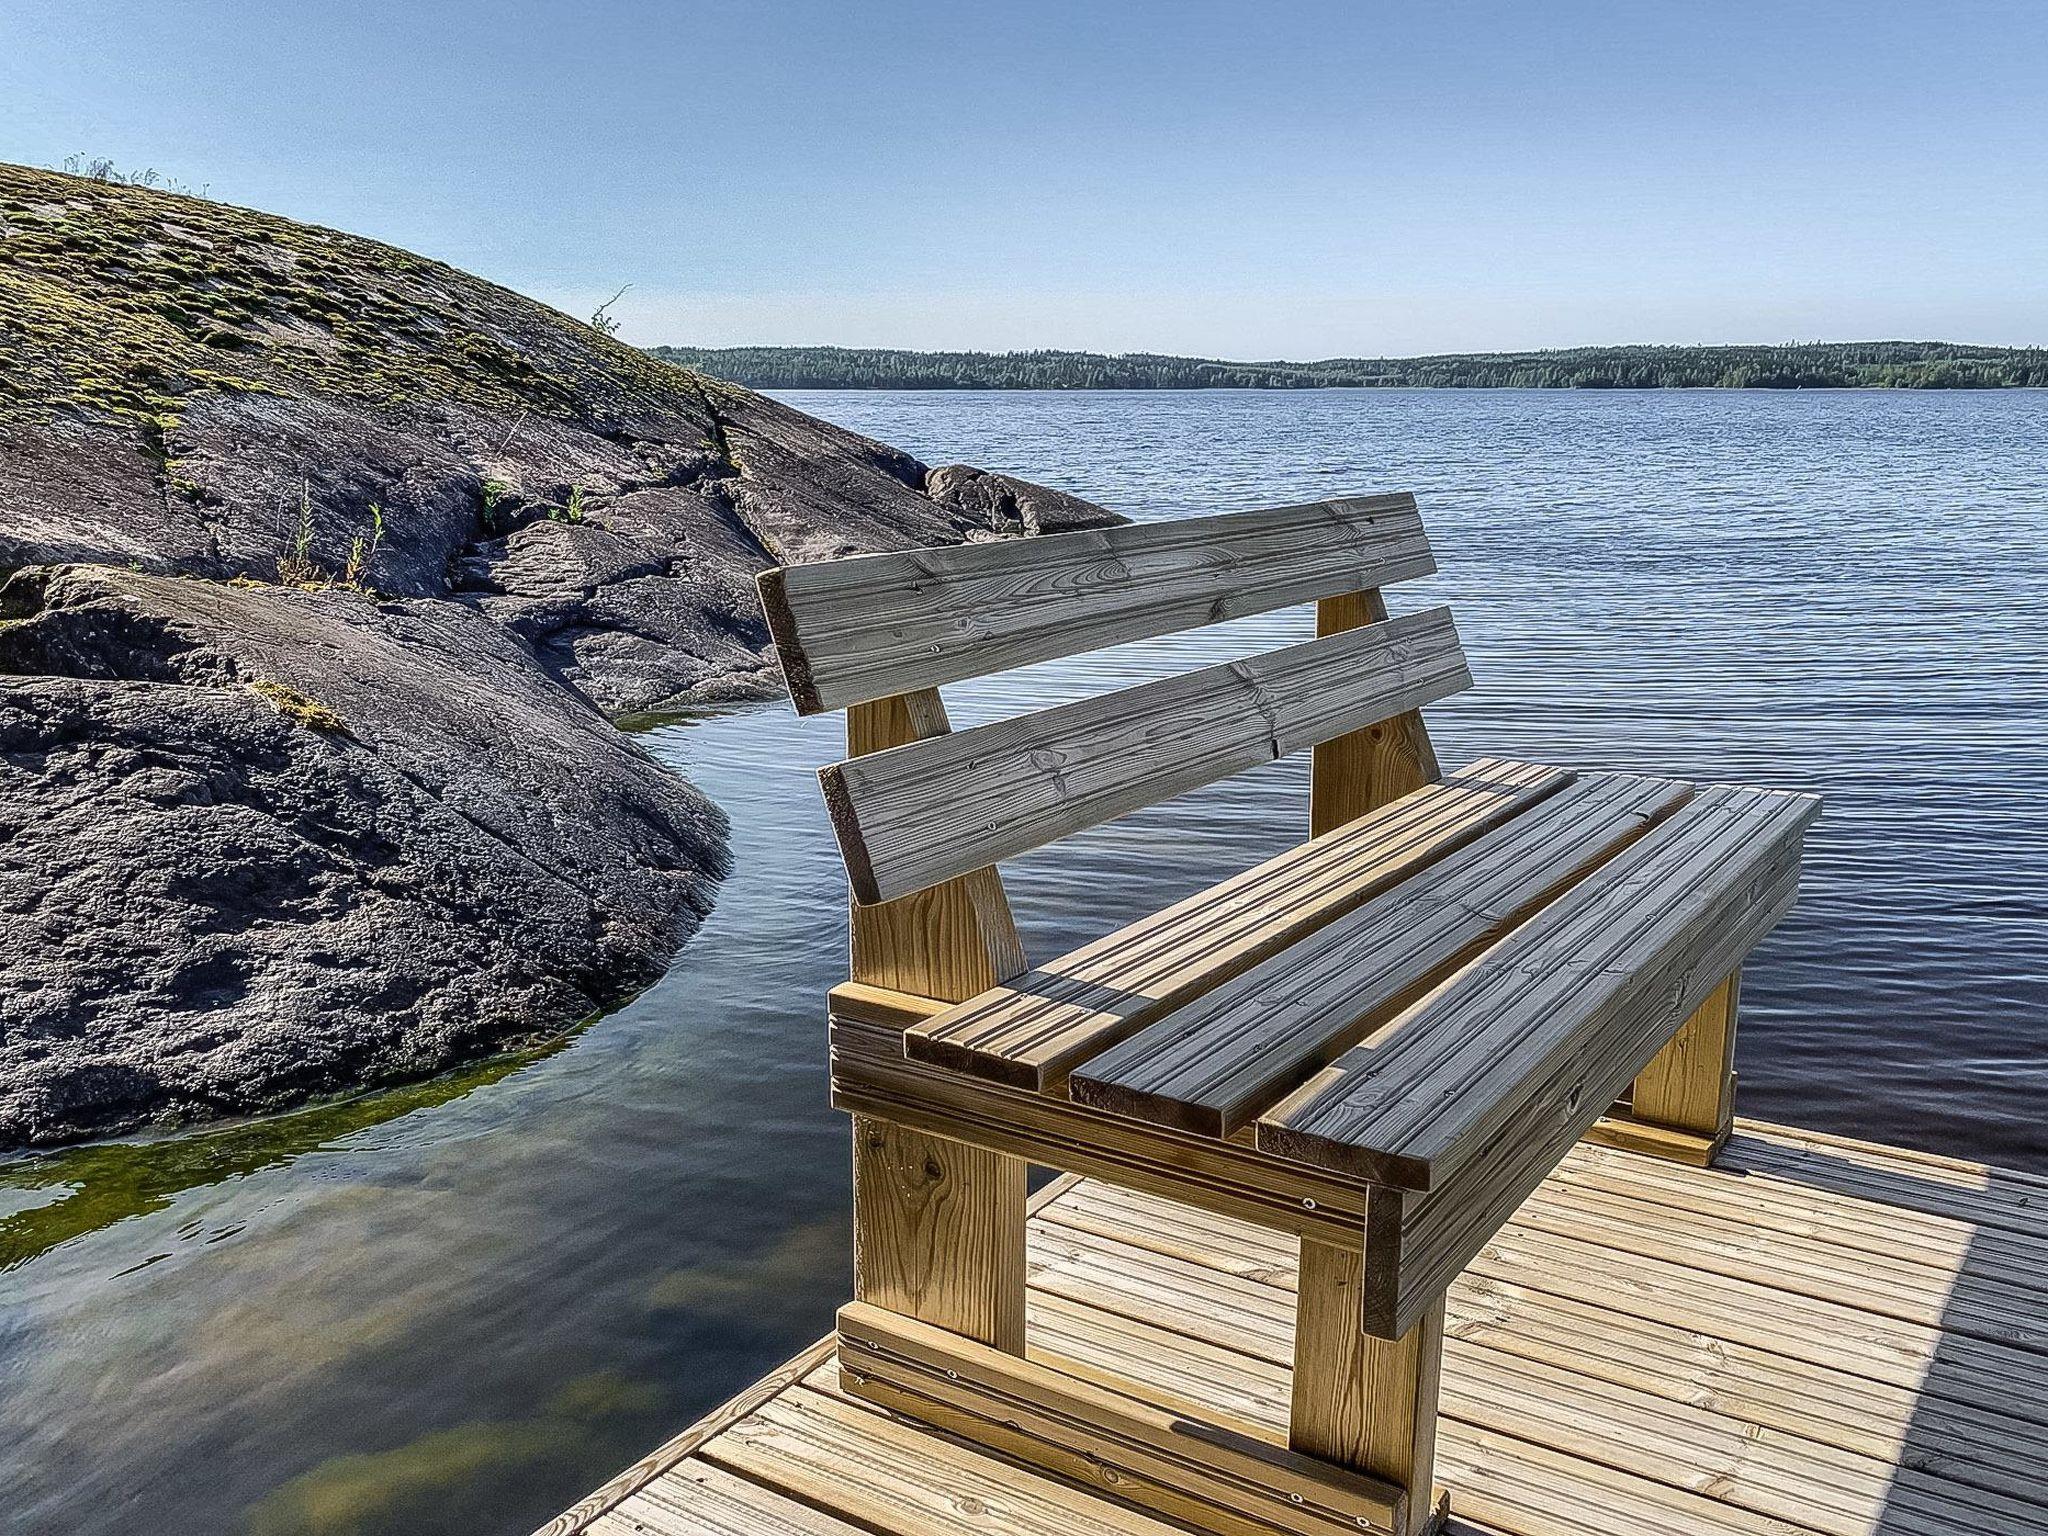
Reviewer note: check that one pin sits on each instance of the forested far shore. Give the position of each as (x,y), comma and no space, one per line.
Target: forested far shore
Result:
(1816,365)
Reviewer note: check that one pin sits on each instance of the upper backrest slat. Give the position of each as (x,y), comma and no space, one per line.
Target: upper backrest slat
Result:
(917,814)
(874,625)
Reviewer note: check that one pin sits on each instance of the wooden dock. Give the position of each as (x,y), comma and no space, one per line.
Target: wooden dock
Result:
(1813,1337)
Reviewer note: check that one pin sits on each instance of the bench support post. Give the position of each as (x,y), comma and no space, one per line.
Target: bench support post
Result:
(1365,769)
(1362,1402)
(938,1226)
(948,942)
(1682,1106)
(938,1232)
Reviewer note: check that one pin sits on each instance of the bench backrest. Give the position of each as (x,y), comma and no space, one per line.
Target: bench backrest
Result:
(855,631)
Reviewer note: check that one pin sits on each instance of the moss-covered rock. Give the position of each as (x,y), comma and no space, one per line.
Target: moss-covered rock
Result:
(195,387)
(303,785)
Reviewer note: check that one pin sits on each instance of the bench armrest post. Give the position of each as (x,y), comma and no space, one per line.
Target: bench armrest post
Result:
(938,1225)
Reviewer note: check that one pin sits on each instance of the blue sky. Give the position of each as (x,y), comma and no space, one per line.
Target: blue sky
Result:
(1250,180)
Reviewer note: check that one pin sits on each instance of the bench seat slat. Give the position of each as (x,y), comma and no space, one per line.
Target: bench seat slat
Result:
(1210,1066)
(1030,1031)
(1425,1240)
(863,628)
(1424,1097)
(917,814)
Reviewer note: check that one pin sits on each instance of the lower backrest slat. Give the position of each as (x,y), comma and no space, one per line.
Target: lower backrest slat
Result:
(917,814)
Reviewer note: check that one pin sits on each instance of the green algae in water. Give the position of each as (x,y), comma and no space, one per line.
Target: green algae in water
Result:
(96,1186)
(425,1481)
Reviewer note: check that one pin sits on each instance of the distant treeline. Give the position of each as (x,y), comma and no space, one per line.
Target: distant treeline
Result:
(1816,365)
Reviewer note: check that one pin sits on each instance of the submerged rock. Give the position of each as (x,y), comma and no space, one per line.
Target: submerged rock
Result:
(330,562)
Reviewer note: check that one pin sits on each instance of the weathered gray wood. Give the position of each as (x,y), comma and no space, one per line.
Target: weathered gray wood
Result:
(921,813)
(1211,1065)
(1417,1243)
(1028,1032)
(1422,1099)
(875,625)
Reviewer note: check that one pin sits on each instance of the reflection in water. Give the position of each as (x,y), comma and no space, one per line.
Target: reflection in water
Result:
(365,1319)
(425,1483)
(87,1188)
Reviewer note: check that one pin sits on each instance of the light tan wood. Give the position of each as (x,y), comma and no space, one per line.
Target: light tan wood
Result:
(922,813)
(1214,1475)
(938,1231)
(1585,1386)
(1362,770)
(1029,1034)
(938,1225)
(892,1475)
(871,1076)
(951,940)
(875,625)
(699,1499)
(1211,1065)
(1810,1398)
(1629,1135)
(1690,1085)
(1364,1402)
(1675,1435)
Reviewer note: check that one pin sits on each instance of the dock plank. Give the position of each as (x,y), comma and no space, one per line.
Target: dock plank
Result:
(1693,1390)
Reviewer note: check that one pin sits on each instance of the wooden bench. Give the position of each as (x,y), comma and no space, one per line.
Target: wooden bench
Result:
(1380,1041)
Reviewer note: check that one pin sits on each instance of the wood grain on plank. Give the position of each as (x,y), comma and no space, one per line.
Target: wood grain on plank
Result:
(938,1231)
(921,813)
(1211,1065)
(1218,1477)
(699,1499)
(1691,1358)
(871,1076)
(949,941)
(874,625)
(1418,1241)
(1031,1032)
(889,1474)
(1355,774)
(1420,1100)
(1683,1436)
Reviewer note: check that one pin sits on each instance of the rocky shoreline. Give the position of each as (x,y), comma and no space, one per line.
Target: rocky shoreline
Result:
(325,567)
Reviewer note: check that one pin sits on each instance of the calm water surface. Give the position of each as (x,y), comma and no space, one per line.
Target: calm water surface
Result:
(456,1309)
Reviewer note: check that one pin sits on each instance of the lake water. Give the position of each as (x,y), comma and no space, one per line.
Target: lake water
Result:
(457,1308)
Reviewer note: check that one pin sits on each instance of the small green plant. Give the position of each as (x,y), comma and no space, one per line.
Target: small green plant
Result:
(573,511)
(601,320)
(297,707)
(362,552)
(99,168)
(296,566)
(493,493)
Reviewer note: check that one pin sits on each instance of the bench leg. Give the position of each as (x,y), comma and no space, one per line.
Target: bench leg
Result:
(1365,1403)
(1683,1104)
(938,1232)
